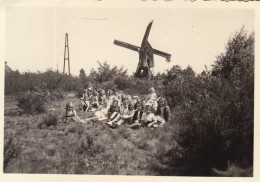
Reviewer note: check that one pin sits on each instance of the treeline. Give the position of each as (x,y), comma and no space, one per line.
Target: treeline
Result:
(16,82)
(214,109)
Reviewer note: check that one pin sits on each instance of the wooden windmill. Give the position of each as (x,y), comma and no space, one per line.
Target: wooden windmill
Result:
(146,53)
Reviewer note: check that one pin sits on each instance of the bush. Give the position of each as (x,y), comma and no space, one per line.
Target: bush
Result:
(48,120)
(123,82)
(31,102)
(217,109)
(138,86)
(108,85)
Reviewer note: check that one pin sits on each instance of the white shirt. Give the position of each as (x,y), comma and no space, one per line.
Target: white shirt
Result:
(148,118)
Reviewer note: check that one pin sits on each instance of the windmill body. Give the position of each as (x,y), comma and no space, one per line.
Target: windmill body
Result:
(146,52)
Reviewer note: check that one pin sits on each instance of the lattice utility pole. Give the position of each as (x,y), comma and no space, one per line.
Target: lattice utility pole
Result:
(66,54)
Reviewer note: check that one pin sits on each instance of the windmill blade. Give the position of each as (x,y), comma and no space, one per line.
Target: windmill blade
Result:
(163,54)
(147,32)
(126,45)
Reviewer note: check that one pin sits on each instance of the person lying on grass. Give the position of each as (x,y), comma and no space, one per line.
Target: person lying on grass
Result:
(113,113)
(163,112)
(70,114)
(100,115)
(136,120)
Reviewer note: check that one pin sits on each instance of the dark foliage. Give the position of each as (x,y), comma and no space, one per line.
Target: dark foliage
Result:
(31,102)
(215,109)
(16,82)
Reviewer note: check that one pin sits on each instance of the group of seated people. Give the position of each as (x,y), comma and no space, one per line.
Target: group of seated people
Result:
(117,108)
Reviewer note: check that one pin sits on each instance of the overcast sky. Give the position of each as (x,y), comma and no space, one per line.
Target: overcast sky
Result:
(35,36)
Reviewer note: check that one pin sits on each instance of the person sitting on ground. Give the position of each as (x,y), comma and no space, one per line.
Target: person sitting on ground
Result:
(109,92)
(143,101)
(113,114)
(84,101)
(94,102)
(90,91)
(135,100)
(70,114)
(129,98)
(136,121)
(148,118)
(126,112)
(101,97)
(123,97)
(163,112)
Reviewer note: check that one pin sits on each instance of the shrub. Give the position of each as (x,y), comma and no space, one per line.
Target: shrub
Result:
(123,82)
(16,82)
(51,119)
(108,85)
(47,120)
(138,86)
(31,102)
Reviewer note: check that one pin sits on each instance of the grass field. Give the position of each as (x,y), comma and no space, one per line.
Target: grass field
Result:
(91,148)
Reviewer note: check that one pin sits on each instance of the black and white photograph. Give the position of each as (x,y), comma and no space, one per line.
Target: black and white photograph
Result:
(129,91)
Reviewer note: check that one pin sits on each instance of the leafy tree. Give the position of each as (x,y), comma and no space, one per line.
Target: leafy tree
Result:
(106,73)
(237,66)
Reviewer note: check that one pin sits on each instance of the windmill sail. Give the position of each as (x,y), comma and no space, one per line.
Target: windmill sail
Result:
(126,45)
(163,54)
(147,32)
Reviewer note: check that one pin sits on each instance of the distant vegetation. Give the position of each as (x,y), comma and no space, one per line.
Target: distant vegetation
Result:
(213,112)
